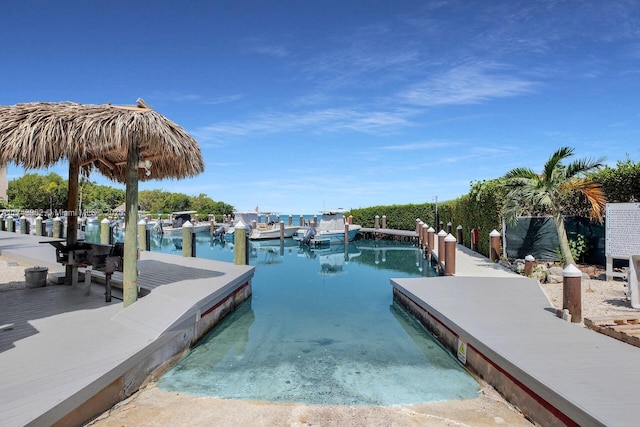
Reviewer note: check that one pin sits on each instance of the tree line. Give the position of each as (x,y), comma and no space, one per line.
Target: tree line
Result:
(49,193)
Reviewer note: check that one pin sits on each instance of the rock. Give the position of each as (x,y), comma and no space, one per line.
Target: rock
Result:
(556,271)
(554,278)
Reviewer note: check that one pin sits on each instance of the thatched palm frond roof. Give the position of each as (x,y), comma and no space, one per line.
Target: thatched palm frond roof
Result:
(39,135)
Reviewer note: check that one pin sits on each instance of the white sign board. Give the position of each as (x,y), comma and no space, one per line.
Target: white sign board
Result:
(462,351)
(622,230)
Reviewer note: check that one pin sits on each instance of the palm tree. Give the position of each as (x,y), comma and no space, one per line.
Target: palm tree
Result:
(543,193)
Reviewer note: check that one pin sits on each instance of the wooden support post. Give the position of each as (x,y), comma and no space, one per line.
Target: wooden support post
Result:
(449,255)
(281,230)
(130,258)
(459,238)
(494,246)
(384,221)
(376,222)
(71,270)
(572,292)
(301,220)
(529,260)
(290,219)
(187,239)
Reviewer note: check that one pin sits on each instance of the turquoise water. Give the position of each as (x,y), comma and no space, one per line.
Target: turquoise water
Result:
(320,328)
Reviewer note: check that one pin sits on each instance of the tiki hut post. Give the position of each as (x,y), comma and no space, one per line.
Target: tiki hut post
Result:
(71,270)
(130,261)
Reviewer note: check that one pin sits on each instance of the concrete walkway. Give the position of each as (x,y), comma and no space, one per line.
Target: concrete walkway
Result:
(575,375)
(65,354)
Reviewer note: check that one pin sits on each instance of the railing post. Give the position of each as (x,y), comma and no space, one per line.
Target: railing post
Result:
(459,238)
(529,260)
(449,255)
(187,239)
(494,246)
(449,227)
(417,225)
(572,292)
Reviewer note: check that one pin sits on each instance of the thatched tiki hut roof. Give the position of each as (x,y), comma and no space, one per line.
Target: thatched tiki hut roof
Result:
(38,135)
(124,143)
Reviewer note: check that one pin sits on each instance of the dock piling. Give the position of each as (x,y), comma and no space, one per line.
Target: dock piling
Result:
(449,255)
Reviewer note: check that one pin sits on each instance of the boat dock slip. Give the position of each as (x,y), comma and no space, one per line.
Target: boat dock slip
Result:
(66,355)
(504,329)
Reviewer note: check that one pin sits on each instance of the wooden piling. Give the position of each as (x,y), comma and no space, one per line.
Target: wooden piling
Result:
(187,239)
(494,246)
(57,227)
(529,260)
(430,240)
(105,230)
(39,226)
(142,231)
(449,255)
(240,244)
(572,292)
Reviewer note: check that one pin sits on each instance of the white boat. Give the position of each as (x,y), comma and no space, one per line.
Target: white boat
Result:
(246,217)
(271,231)
(179,218)
(330,230)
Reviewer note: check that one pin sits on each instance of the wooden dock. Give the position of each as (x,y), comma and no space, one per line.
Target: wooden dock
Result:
(67,355)
(377,233)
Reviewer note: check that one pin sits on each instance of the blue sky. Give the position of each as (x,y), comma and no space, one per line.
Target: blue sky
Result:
(301,106)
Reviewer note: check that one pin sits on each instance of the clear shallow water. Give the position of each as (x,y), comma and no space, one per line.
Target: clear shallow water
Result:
(320,328)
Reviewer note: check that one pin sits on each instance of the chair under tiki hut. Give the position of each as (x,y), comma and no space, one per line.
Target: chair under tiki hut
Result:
(125,143)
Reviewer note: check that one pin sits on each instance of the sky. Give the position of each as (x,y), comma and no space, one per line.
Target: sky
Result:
(301,106)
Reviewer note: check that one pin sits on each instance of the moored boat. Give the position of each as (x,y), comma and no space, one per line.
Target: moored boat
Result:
(330,230)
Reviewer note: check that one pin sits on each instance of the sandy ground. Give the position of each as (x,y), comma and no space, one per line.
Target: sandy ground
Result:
(154,407)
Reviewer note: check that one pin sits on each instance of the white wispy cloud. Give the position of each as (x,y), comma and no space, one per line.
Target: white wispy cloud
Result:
(467,84)
(316,121)
(418,146)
